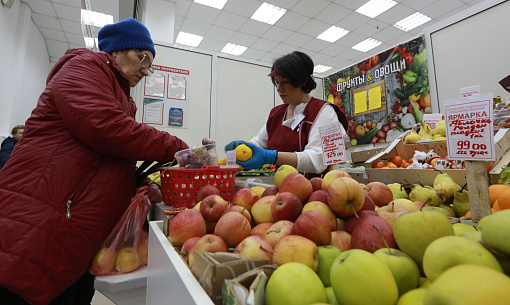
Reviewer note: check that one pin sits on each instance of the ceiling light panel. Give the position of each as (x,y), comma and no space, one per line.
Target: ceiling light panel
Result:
(219,4)
(374,8)
(411,22)
(367,45)
(188,39)
(333,34)
(96,18)
(321,68)
(268,13)
(233,49)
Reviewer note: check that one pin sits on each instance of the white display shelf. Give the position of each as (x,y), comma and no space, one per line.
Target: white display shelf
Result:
(169,280)
(125,289)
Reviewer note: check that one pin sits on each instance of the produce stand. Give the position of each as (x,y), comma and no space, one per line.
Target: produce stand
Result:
(124,289)
(169,280)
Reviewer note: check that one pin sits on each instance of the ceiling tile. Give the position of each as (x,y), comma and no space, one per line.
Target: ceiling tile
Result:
(203,13)
(219,33)
(310,8)
(270,57)
(71,26)
(69,2)
(396,13)
(254,27)
(319,58)
(178,23)
(440,8)
(351,39)
(46,22)
(196,27)
(388,33)
(230,21)
(367,30)
(333,13)
(454,12)
(351,4)
(292,21)
(298,39)
(334,50)
(244,8)
(264,44)
(74,39)
(243,39)
(353,21)
(400,39)
(317,45)
(314,27)
(56,48)
(182,6)
(286,4)
(254,54)
(42,7)
(276,33)
(54,34)
(67,12)
(418,4)
(212,44)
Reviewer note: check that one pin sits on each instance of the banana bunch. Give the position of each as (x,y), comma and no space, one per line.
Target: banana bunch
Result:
(439,133)
(413,136)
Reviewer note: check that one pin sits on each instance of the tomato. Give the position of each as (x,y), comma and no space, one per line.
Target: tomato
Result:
(363,73)
(374,60)
(369,66)
(408,57)
(395,49)
(402,50)
(362,66)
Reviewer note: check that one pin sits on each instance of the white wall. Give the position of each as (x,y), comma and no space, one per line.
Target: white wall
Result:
(25,65)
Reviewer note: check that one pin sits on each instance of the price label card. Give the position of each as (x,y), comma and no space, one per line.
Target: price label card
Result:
(432,119)
(470,91)
(333,146)
(231,157)
(469,128)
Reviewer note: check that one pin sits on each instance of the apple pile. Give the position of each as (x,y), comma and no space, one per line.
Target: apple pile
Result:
(341,242)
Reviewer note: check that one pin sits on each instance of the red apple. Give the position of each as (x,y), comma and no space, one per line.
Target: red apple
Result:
(341,240)
(245,197)
(391,212)
(316,183)
(212,207)
(332,175)
(353,221)
(319,195)
(233,228)
(380,193)
(298,185)
(295,248)
(207,190)
(421,204)
(255,247)
(188,245)
(325,210)
(238,209)
(270,190)
(208,243)
(277,231)
(314,226)
(286,206)
(341,224)
(366,237)
(261,229)
(369,203)
(261,210)
(345,196)
(185,225)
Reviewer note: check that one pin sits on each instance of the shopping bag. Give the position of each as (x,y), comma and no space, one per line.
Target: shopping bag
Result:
(126,247)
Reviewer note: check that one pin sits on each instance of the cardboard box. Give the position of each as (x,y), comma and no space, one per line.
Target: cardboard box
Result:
(249,288)
(212,269)
(364,154)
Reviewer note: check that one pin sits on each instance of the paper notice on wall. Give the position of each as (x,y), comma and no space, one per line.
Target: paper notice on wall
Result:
(333,146)
(153,111)
(374,98)
(360,102)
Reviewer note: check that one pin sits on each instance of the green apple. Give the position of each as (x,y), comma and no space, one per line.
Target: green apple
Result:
(294,283)
(358,277)
(473,236)
(449,251)
(295,248)
(331,296)
(282,172)
(327,255)
(469,285)
(404,269)
(496,231)
(460,228)
(425,282)
(414,231)
(413,297)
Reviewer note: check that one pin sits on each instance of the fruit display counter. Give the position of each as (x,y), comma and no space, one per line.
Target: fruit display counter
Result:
(124,289)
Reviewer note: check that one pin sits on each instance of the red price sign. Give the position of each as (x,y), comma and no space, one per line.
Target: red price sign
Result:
(333,147)
(469,128)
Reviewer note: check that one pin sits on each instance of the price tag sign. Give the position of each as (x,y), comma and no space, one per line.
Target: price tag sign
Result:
(469,128)
(231,157)
(432,119)
(333,146)
(470,91)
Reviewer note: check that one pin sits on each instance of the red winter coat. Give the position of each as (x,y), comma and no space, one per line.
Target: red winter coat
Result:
(80,144)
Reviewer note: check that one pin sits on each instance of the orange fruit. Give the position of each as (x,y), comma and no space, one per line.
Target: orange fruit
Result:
(405,164)
(504,199)
(410,160)
(391,165)
(243,153)
(385,167)
(496,206)
(379,164)
(468,214)
(496,190)
(397,160)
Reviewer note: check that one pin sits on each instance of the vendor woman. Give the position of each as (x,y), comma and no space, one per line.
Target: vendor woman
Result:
(291,133)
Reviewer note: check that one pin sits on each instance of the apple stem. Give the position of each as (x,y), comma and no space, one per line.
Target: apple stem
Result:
(355,214)
(262,248)
(384,240)
(392,206)
(271,231)
(438,170)
(233,250)
(463,187)
(424,204)
(475,228)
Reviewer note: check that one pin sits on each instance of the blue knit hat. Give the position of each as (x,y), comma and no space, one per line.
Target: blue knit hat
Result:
(126,34)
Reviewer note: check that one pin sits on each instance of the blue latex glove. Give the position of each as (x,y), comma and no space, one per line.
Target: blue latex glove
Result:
(260,157)
(233,145)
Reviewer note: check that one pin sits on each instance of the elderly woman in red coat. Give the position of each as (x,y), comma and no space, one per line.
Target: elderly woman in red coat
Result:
(72,175)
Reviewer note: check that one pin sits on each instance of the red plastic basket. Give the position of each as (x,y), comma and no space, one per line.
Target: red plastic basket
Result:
(180,186)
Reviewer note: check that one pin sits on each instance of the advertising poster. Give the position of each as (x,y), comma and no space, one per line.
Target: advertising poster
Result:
(384,95)
(167,88)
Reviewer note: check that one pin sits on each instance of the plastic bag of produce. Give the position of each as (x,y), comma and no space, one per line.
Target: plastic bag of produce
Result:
(126,247)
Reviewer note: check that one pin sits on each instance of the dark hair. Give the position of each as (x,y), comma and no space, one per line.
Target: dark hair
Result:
(298,68)
(15,129)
